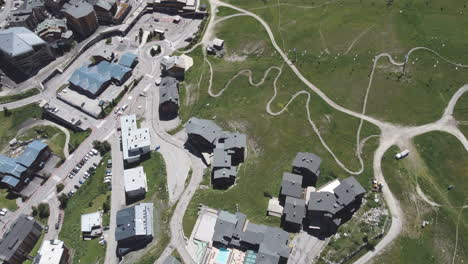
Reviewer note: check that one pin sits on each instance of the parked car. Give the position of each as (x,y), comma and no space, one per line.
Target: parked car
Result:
(124,107)
(109,163)
(116,110)
(71,193)
(81,181)
(87,174)
(70,175)
(3,211)
(57,225)
(108,178)
(77,186)
(46,229)
(95,153)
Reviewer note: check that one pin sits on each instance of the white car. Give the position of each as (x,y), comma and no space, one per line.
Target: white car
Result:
(3,211)
(124,107)
(95,152)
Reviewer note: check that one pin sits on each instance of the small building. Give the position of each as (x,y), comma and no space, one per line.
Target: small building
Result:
(307,165)
(171,260)
(291,186)
(218,43)
(63,117)
(202,134)
(234,143)
(173,66)
(52,252)
(81,17)
(29,14)
(105,11)
(17,243)
(274,207)
(135,183)
(175,6)
(168,98)
(91,225)
(15,173)
(52,30)
(134,228)
(129,60)
(135,141)
(293,213)
(22,52)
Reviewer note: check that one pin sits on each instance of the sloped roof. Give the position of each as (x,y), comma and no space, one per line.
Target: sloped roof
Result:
(78,8)
(169,62)
(19,231)
(9,166)
(204,128)
(134,221)
(323,202)
(18,40)
(10,180)
(294,210)
(92,77)
(225,173)
(291,185)
(31,153)
(229,140)
(51,23)
(128,59)
(168,90)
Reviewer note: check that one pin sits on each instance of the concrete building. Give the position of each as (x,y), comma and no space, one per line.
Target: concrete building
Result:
(29,14)
(129,60)
(64,117)
(135,141)
(105,11)
(92,79)
(91,225)
(293,213)
(233,230)
(16,244)
(291,186)
(168,98)
(22,52)
(173,66)
(134,228)
(202,134)
(135,183)
(307,165)
(52,252)
(15,173)
(81,17)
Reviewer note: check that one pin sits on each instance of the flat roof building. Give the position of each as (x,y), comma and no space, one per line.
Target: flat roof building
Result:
(81,17)
(134,227)
(16,244)
(91,225)
(52,252)
(135,141)
(135,183)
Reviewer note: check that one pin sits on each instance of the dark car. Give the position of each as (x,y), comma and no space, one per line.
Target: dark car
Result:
(57,225)
(77,187)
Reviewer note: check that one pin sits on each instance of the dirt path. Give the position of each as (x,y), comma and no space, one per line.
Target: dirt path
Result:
(391,133)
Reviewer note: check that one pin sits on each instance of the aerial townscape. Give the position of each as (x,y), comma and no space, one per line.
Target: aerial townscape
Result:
(233,132)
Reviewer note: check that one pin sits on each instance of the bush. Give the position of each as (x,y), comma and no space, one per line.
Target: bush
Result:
(106,204)
(60,187)
(102,147)
(44,210)
(63,198)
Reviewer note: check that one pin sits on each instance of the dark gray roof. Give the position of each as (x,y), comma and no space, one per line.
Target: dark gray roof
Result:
(204,128)
(221,158)
(241,219)
(225,173)
(104,4)
(168,90)
(347,191)
(253,234)
(134,221)
(171,260)
(308,161)
(291,185)
(228,140)
(224,227)
(274,245)
(323,202)
(78,8)
(21,228)
(294,210)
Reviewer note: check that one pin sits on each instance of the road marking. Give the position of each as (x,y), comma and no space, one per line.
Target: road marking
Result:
(110,134)
(147,87)
(100,124)
(50,196)
(149,75)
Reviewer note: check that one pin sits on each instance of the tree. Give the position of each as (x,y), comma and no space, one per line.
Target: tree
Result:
(6,112)
(63,198)
(44,210)
(106,204)
(34,211)
(60,187)
(102,147)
